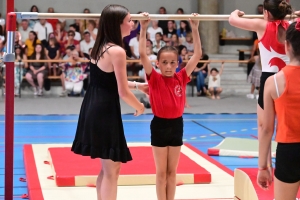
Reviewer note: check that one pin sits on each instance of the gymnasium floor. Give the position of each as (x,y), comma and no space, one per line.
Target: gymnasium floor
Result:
(200,130)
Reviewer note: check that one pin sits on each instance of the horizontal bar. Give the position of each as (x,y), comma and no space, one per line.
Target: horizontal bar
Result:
(35,15)
(137,61)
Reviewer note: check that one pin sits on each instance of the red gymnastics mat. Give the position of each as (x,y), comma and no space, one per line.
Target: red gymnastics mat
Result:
(246,188)
(70,169)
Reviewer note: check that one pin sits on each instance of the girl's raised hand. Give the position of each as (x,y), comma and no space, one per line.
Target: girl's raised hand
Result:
(145,23)
(194,23)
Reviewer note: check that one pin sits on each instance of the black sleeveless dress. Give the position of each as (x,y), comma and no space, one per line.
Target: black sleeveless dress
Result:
(100,132)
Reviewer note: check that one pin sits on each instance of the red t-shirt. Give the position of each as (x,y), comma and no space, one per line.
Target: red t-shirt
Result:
(167,94)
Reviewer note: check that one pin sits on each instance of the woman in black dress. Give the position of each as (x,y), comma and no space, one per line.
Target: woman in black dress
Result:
(100,131)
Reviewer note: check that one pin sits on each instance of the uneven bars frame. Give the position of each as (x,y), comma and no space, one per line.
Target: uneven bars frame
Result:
(36,15)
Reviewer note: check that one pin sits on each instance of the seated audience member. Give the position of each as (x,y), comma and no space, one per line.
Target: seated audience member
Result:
(20,67)
(76,25)
(175,41)
(32,22)
(53,22)
(42,29)
(189,43)
(77,35)
(83,23)
(158,43)
(91,28)
(31,42)
(61,37)
(74,73)
(134,46)
(201,73)
(183,29)
(163,24)
(71,41)
(214,81)
(152,30)
(37,70)
(182,51)
(52,53)
(169,31)
(177,22)
(24,30)
(86,44)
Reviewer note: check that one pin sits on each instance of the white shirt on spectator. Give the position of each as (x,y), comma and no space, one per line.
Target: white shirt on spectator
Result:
(153,31)
(41,30)
(135,44)
(84,46)
(24,33)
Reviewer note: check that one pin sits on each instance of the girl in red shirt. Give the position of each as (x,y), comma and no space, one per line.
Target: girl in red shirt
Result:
(281,99)
(167,97)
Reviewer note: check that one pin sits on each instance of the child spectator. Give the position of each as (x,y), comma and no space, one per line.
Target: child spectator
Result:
(20,67)
(214,81)
(52,53)
(254,77)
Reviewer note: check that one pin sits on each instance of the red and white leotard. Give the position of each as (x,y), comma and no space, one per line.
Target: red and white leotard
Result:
(272,53)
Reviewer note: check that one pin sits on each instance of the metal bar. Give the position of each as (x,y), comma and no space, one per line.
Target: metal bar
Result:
(131,61)
(35,15)
(9,101)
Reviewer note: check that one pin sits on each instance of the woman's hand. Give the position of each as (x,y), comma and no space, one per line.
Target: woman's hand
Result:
(143,87)
(194,23)
(264,178)
(145,23)
(140,110)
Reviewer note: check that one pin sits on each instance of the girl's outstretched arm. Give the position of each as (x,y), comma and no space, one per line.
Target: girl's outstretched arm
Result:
(257,25)
(142,45)
(192,63)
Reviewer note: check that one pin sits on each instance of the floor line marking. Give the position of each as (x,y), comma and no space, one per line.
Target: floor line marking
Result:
(209,129)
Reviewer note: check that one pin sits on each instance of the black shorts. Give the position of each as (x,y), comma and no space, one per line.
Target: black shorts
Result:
(287,164)
(263,78)
(166,132)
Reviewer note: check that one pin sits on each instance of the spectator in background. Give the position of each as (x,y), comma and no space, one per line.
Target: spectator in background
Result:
(182,52)
(134,46)
(31,42)
(169,31)
(74,73)
(2,25)
(37,70)
(86,44)
(52,53)
(83,23)
(76,25)
(177,22)
(32,22)
(152,30)
(53,22)
(24,30)
(77,34)
(71,41)
(163,23)
(189,43)
(183,29)
(259,11)
(201,72)
(214,81)
(91,28)
(158,43)
(61,37)
(175,40)
(20,67)
(42,29)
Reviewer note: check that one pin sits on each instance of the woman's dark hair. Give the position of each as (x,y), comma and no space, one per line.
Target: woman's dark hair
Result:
(21,51)
(180,9)
(180,48)
(86,9)
(35,38)
(43,55)
(293,37)
(214,69)
(109,30)
(187,27)
(34,6)
(167,49)
(278,8)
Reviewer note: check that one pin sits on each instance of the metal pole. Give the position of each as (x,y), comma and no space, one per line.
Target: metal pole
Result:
(9,59)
